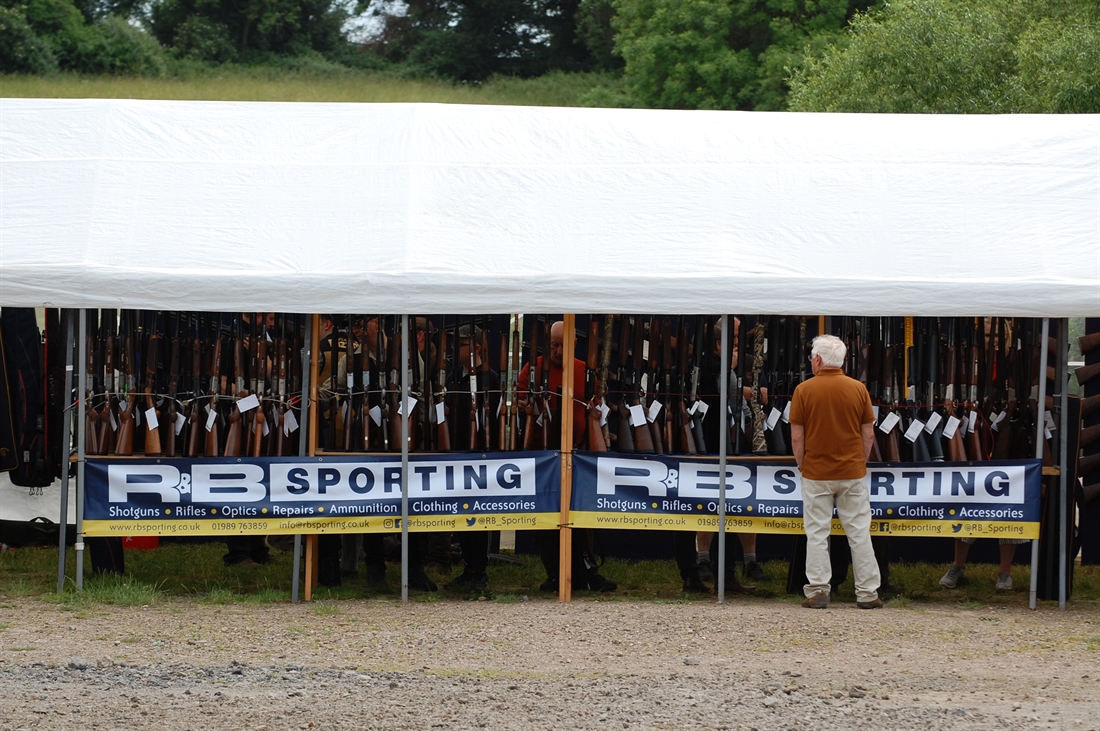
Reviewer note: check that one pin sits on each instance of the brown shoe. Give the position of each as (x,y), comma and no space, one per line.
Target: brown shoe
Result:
(875,604)
(736,587)
(819,600)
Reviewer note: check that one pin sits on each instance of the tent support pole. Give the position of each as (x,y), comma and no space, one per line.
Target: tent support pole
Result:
(81,455)
(1040,424)
(313,333)
(304,431)
(565,529)
(723,439)
(404,457)
(1064,521)
(63,520)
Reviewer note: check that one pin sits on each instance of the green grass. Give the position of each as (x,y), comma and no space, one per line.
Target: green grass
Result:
(260,84)
(196,571)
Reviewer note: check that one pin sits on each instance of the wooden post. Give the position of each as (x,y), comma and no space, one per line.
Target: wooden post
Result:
(565,535)
(314,373)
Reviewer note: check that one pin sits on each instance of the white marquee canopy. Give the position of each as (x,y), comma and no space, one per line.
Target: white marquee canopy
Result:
(445,208)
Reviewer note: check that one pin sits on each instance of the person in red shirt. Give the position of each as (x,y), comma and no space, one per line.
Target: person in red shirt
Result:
(585,573)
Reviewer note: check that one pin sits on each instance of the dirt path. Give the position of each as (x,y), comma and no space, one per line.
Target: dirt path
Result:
(590,664)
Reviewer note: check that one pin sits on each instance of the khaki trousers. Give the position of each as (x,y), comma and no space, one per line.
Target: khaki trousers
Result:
(853,507)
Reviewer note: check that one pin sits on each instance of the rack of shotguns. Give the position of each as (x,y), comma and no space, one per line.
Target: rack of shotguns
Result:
(179,384)
(186,384)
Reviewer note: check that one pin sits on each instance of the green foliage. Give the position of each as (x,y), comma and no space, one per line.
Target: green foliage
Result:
(720,54)
(962,57)
(21,51)
(113,46)
(201,39)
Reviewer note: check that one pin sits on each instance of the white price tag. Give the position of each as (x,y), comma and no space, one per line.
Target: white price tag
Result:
(351,381)
(874,410)
(181,420)
(654,410)
(411,404)
(995,424)
(344,411)
(934,420)
(266,429)
(538,421)
(889,423)
(694,408)
(703,408)
(787,413)
(637,415)
(500,407)
(1047,432)
(211,417)
(440,412)
(951,427)
(1049,421)
(290,423)
(151,418)
(604,411)
(773,418)
(248,403)
(914,430)
(114,421)
(376,415)
(973,421)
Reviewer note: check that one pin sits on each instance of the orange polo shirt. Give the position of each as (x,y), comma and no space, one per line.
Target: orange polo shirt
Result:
(832,408)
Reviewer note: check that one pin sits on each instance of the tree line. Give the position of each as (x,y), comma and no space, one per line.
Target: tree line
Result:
(950,56)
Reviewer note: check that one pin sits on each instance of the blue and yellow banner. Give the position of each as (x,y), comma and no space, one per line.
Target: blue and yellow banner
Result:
(360,494)
(997,499)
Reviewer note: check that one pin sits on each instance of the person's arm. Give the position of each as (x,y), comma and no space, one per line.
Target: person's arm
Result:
(798,443)
(867,431)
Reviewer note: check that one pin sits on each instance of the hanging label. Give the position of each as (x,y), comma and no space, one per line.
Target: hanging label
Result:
(137,418)
(266,429)
(694,408)
(248,403)
(290,423)
(654,410)
(114,421)
(973,422)
(874,410)
(773,418)
(440,412)
(411,404)
(538,421)
(500,407)
(995,421)
(376,415)
(914,430)
(645,382)
(787,413)
(889,423)
(351,382)
(951,427)
(702,408)
(1047,432)
(344,411)
(211,417)
(151,418)
(181,420)
(934,420)
(1049,421)
(637,415)
(604,410)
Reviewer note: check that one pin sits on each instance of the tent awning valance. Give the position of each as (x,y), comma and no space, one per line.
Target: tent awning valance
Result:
(445,208)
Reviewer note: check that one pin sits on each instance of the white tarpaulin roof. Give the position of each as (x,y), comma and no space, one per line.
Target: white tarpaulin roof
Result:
(459,209)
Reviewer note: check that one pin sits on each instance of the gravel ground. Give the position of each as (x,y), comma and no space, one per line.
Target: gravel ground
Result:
(750,664)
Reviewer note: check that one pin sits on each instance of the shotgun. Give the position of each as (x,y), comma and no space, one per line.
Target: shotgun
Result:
(624,440)
(107,424)
(152,426)
(91,416)
(124,444)
(596,440)
(1088,342)
(683,420)
(212,417)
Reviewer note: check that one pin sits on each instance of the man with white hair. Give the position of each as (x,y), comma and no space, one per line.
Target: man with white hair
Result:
(832,430)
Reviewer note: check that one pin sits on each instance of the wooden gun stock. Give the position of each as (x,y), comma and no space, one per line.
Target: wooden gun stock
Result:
(1088,436)
(1090,406)
(1087,373)
(1089,342)
(124,444)
(1088,465)
(152,433)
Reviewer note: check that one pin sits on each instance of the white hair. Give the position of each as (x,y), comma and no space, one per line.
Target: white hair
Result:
(830,349)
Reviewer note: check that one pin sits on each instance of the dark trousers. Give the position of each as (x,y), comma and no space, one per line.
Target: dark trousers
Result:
(584,560)
(475,550)
(239,548)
